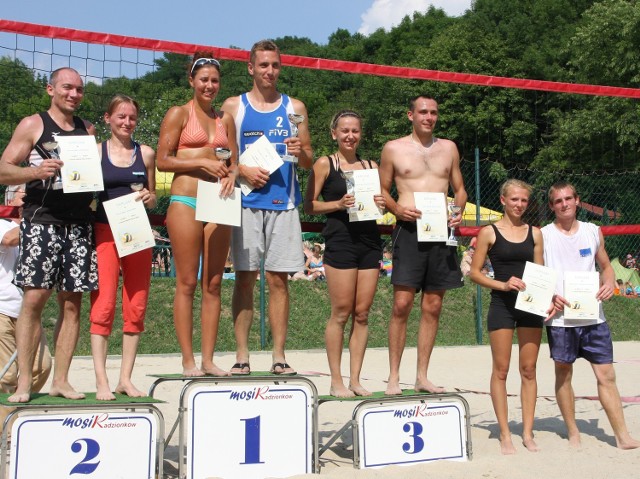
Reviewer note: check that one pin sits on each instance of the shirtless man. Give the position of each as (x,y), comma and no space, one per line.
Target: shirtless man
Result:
(419,162)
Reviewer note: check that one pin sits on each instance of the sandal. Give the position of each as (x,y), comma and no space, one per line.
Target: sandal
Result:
(240,369)
(283,369)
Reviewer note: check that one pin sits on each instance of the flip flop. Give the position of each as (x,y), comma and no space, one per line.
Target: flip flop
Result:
(282,367)
(240,369)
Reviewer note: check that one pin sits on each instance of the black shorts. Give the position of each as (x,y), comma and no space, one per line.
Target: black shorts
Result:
(423,266)
(351,253)
(504,315)
(57,256)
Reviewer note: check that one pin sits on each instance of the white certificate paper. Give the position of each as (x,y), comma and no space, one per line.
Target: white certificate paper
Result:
(432,226)
(260,153)
(82,171)
(580,289)
(129,224)
(210,207)
(540,284)
(363,185)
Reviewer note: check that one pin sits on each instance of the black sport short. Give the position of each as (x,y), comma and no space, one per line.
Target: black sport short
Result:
(504,315)
(349,253)
(423,266)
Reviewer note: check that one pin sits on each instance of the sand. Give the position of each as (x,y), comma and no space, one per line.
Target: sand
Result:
(464,370)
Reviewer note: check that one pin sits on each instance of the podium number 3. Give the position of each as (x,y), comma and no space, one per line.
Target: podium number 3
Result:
(417,445)
(92,451)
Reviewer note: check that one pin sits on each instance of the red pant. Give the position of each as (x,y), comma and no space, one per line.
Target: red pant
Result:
(136,280)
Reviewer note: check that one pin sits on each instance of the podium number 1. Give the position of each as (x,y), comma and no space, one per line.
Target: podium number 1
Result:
(252,441)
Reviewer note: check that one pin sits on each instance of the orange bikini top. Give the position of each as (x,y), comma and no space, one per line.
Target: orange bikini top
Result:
(194,136)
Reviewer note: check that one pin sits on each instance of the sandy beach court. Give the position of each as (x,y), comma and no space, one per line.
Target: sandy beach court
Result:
(464,370)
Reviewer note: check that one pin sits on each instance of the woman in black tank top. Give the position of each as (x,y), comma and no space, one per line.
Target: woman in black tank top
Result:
(510,243)
(352,251)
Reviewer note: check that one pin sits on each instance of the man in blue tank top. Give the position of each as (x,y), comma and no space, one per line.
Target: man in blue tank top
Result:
(56,247)
(270,221)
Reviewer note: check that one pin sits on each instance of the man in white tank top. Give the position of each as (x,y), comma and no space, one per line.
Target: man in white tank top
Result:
(571,245)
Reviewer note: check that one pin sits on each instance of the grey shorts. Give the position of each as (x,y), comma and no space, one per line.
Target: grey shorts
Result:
(57,256)
(274,235)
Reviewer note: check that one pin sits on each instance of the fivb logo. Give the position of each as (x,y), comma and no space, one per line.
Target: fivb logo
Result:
(253,394)
(95,420)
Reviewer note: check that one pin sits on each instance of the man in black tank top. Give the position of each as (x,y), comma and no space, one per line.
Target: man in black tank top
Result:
(56,238)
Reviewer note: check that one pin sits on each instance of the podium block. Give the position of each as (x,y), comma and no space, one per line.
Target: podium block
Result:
(248,428)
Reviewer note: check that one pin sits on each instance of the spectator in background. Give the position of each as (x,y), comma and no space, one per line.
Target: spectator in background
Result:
(630,262)
(315,264)
(10,303)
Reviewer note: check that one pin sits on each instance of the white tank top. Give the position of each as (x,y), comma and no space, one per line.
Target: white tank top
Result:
(571,253)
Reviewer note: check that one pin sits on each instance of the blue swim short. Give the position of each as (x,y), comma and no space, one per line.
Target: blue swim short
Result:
(592,343)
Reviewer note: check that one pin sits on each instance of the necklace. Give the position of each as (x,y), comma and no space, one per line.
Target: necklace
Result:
(131,160)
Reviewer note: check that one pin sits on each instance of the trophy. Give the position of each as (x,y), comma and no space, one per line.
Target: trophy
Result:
(52,149)
(137,186)
(454,210)
(223,154)
(294,119)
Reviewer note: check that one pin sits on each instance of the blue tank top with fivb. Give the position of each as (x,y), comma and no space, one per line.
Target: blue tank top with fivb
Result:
(282,191)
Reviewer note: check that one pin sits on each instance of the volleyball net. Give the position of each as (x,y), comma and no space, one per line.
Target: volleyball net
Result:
(504,127)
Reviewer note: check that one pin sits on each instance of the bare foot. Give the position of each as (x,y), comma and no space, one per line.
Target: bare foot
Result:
(340,391)
(130,390)
(393,388)
(193,372)
(530,444)
(359,390)
(428,387)
(506,446)
(214,370)
(574,441)
(627,443)
(20,397)
(103,393)
(66,391)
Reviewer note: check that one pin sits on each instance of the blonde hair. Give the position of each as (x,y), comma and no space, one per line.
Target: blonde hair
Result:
(513,183)
(560,185)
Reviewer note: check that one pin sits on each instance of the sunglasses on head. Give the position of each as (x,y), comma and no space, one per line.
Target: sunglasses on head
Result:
(204,61)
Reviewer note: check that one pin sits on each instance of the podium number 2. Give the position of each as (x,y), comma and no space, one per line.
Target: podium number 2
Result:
(415,428)
(252,441)
(92,451)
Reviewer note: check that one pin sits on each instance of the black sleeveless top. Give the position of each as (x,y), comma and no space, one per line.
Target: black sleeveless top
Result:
(508,259)
(43,204)
(118,180)
(338,224)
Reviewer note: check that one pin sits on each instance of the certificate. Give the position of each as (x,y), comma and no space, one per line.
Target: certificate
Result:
(363,185)
(260,153)
(81,171)
(432,225)
(212,208)
(580,290)
(540,282)
(129,224)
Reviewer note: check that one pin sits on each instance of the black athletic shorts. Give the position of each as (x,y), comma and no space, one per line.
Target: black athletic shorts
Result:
(423,266)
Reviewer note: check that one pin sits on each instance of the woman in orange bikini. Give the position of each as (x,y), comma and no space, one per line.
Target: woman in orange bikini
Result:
(189,137)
